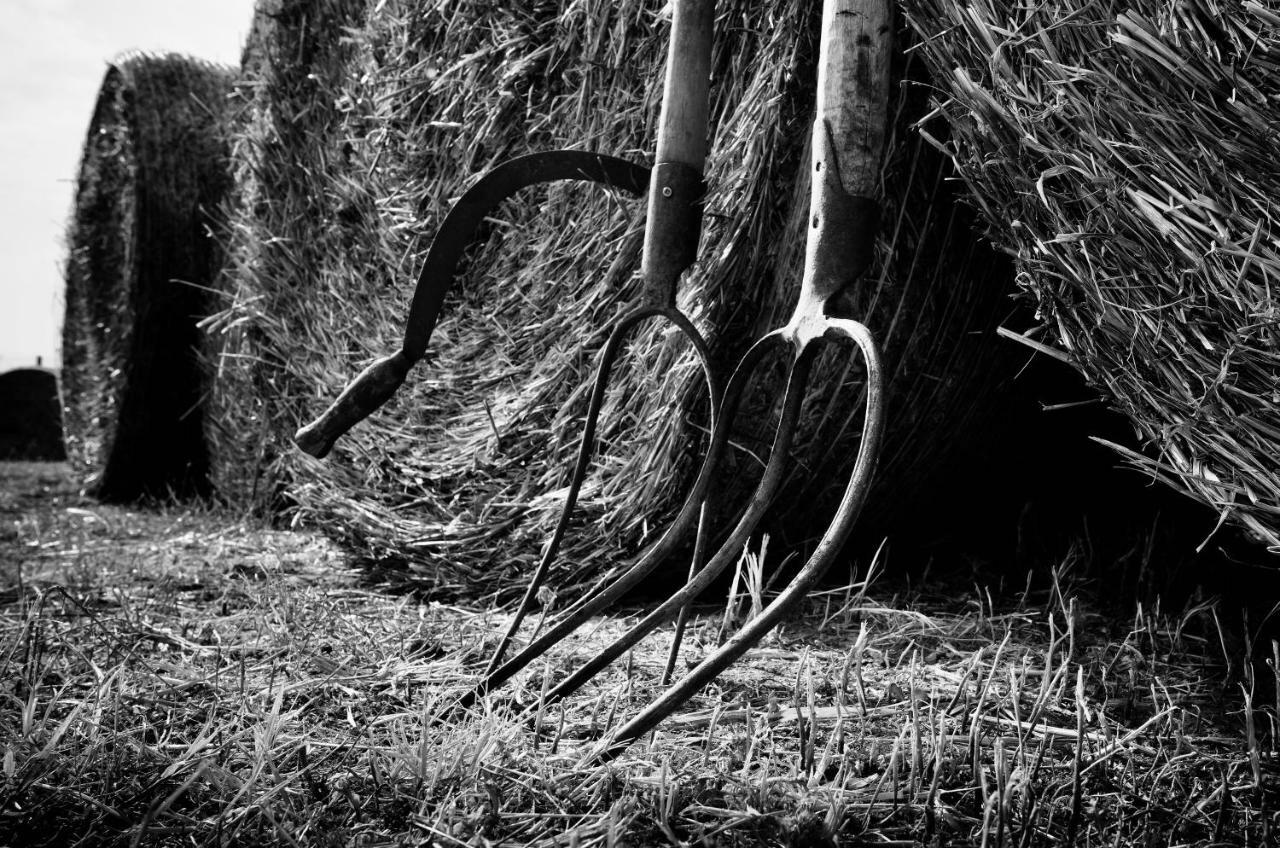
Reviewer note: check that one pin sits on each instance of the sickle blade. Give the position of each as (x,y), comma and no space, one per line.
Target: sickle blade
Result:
(490,191)
(376,384)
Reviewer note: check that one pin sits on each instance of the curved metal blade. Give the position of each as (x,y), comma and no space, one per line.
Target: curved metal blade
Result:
(376,384)
(466,216)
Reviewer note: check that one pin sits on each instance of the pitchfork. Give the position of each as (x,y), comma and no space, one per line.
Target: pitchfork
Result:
(847,144)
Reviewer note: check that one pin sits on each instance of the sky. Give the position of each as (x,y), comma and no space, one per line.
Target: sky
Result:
(53,54)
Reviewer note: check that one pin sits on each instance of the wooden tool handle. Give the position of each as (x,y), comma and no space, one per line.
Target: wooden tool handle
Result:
(853,87)
(848,143)
(682,125)
(371,388)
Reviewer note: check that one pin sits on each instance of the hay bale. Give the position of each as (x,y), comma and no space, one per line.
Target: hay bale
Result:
(293,61)
(363,121)
(30,416)
(1125,154)
(141,262)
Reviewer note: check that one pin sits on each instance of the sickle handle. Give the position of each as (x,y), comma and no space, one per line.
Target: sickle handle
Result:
(371,388)
(675,188)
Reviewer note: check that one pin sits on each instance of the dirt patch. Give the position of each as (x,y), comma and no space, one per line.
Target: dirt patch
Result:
(51,535)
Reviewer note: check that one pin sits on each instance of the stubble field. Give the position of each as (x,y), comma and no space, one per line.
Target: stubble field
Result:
(184,677)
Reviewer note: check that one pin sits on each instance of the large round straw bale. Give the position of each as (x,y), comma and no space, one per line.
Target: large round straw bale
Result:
(1126,155)
(294,59)
(364,121)
(141,263)
(30,416)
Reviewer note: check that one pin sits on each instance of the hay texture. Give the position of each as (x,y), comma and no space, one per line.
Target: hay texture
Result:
(1126,155)
(30,416)
(141,262)
(363,121)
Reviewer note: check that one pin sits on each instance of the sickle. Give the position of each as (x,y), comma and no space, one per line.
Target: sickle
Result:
(378,382)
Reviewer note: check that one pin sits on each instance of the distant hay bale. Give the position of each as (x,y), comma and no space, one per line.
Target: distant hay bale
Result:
(30,416)
(1126,154)
(362,121)
(141,263)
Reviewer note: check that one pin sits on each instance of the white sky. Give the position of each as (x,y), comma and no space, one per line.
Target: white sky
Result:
(53,54)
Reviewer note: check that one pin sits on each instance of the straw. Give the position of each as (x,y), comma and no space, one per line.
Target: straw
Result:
(1125,154)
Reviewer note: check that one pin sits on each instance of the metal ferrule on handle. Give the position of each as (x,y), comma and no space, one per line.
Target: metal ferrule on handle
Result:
(848,144)
(841,238)
(673,231)
(676,187)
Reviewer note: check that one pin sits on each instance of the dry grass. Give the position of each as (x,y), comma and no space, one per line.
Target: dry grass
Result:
(1124,152)
(361,121)
(181,679)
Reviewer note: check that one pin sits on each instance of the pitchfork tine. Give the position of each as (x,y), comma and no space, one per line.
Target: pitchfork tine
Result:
(682,619)
(597,600)
(731,549)
(586,448)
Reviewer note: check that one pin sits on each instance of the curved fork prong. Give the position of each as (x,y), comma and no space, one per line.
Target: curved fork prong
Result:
(586,447)
(828,547)
(617,584)
(682,618)
(716,395)
(770,481)
(497,672)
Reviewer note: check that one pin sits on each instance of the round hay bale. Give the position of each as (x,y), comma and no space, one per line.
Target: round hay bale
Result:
(30,416)
(294,58)
(1125,154)
(142,259)
(362,122)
